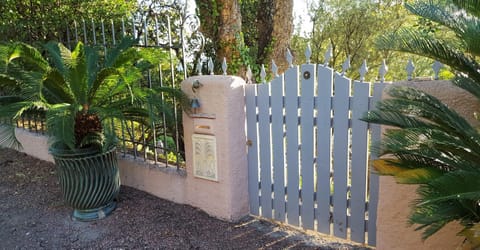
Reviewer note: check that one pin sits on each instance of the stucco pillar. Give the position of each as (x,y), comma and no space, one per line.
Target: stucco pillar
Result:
(221,118)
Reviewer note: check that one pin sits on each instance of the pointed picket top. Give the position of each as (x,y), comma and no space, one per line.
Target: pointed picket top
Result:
(263,74)
(383,71)
(249,75)
(210,65)
(345,65)
(274,69)
(363,70)
(308,53)
(328,55)
(199,67)
(224,66)
(410,69)
(289,58)
(437,66)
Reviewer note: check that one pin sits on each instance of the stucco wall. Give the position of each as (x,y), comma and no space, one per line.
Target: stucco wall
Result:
(34,144)
(226,198)
(393,231)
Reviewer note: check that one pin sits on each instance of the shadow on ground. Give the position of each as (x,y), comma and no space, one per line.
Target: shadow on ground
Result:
(34,217)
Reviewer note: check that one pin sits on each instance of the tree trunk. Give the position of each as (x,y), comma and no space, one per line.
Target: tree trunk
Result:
(267,32)
(222,23)
(275,27)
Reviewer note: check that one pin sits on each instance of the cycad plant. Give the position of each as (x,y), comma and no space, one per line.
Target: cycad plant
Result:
(433,145)
(82,91)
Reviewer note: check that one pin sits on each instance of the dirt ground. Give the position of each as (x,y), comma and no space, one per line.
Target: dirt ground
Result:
(33,216)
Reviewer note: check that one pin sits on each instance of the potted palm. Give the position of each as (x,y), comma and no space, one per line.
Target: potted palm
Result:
(81,93)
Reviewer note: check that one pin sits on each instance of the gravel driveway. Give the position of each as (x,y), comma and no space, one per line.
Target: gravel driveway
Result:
(33,216)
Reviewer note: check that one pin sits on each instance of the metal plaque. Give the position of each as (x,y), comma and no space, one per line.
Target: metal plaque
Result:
(205,157)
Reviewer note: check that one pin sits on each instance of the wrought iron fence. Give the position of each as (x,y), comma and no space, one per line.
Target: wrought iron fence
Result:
(177,40)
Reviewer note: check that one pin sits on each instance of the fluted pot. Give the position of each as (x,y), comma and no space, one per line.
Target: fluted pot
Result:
(89,180)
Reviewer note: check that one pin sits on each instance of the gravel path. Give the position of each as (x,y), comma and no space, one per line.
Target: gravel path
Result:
(33,216)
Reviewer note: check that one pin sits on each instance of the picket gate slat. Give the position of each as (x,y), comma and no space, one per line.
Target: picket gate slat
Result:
(306,152)
(277,148)
(264,150)
(291,119)
(359,161)
(324,134)
(340,154)
(252,156)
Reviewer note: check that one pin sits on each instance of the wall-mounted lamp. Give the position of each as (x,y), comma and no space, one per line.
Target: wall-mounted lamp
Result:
(195,103)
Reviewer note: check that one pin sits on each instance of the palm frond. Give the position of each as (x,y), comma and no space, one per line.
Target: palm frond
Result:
(57,55)
(444,188)
(430,108)
(20,81)
(406,175)
(55,89)
(60,124)
(31,58)
(468,84)
(418,175)
(8,138)
(8,84)
(466,27)
(410,108)
(119,55)
(415,42)
(94,139)
(391,118)
(11,111)
(443,200)
(432,138)
(433,218)
(77,73)
(92,67)
(441,14)
(106,78)
(31,83)
(471,6)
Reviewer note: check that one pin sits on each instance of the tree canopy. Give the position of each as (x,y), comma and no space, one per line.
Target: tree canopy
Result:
(42,20)
(351,28)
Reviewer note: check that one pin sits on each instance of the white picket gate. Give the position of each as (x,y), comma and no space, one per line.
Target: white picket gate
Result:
(308,152)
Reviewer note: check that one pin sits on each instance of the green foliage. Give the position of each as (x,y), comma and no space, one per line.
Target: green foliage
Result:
(351,28)
(68,82)
(434,146)
(43,20)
